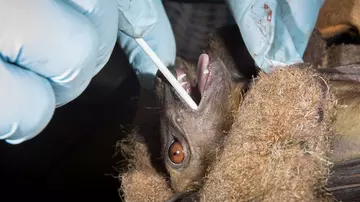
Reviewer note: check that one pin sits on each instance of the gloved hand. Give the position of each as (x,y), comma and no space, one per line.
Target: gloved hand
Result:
(50,50)
(161,40)
(276,32)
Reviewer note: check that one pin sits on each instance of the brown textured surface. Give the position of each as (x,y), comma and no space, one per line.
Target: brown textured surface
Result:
(199,132)
(342,66)
(141,182)
(336,17)
(347,124)
(345,182)
(315,50)
(278,146)
(281,155)
(340,55)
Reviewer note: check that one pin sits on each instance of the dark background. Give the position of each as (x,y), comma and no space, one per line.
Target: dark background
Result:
(73,157)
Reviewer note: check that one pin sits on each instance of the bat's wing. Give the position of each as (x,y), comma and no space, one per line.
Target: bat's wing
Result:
(341,65)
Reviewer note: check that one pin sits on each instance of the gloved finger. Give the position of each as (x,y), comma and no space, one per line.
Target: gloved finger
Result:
(27,103)
(137,17)
(276,32)
(104,16)
(160,39)
(57,43)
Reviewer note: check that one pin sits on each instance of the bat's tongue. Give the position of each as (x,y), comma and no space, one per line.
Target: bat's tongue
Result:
(203,72)
(203,75)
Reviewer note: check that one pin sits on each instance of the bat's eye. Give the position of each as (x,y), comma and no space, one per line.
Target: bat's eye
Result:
(176,152)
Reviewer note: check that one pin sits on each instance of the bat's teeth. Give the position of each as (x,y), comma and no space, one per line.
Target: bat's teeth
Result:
(181,77)
(183,80)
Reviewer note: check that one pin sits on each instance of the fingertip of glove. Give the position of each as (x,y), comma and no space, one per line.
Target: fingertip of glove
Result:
(30,127)
(137,31)
(137,18)
(27,104)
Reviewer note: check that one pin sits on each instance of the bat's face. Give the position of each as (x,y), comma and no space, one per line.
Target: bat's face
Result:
(191,138)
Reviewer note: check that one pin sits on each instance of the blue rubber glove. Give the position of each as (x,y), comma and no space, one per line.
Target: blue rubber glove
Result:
(276,32)
(50,50)
(160,39)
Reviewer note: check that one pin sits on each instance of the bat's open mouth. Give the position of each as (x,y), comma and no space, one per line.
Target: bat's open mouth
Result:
(204,77)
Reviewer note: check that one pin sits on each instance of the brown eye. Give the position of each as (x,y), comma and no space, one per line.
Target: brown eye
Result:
(176,153)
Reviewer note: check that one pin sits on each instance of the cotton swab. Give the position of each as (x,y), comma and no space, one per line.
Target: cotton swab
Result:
(168,75)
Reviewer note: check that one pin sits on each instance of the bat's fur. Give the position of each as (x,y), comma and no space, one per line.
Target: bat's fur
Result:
(141,182)
(282,125)
(280,154)
(202,131)
(341,63)
(337,17)
(280,146)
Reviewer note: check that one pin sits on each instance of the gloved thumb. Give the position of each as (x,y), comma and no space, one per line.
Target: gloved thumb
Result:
(136,17)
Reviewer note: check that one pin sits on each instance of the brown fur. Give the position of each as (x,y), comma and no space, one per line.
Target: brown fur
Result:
(304,179)
(347,123)
(316,50)
(230,93)
(341,63)
(141,182)
(277,149)
(337,17)
(345,83)
(340,55)
(330,58)
(200,132)
(287,134)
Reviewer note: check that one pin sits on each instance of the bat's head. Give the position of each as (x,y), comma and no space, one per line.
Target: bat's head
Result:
(191,138)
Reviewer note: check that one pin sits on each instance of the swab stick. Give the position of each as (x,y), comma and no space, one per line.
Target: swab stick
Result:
(168,75)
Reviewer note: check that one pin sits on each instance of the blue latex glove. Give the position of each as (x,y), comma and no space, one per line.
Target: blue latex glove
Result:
(276,32)
(161,40)
(50,50)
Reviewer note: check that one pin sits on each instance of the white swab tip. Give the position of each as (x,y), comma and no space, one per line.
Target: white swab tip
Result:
(168,75)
